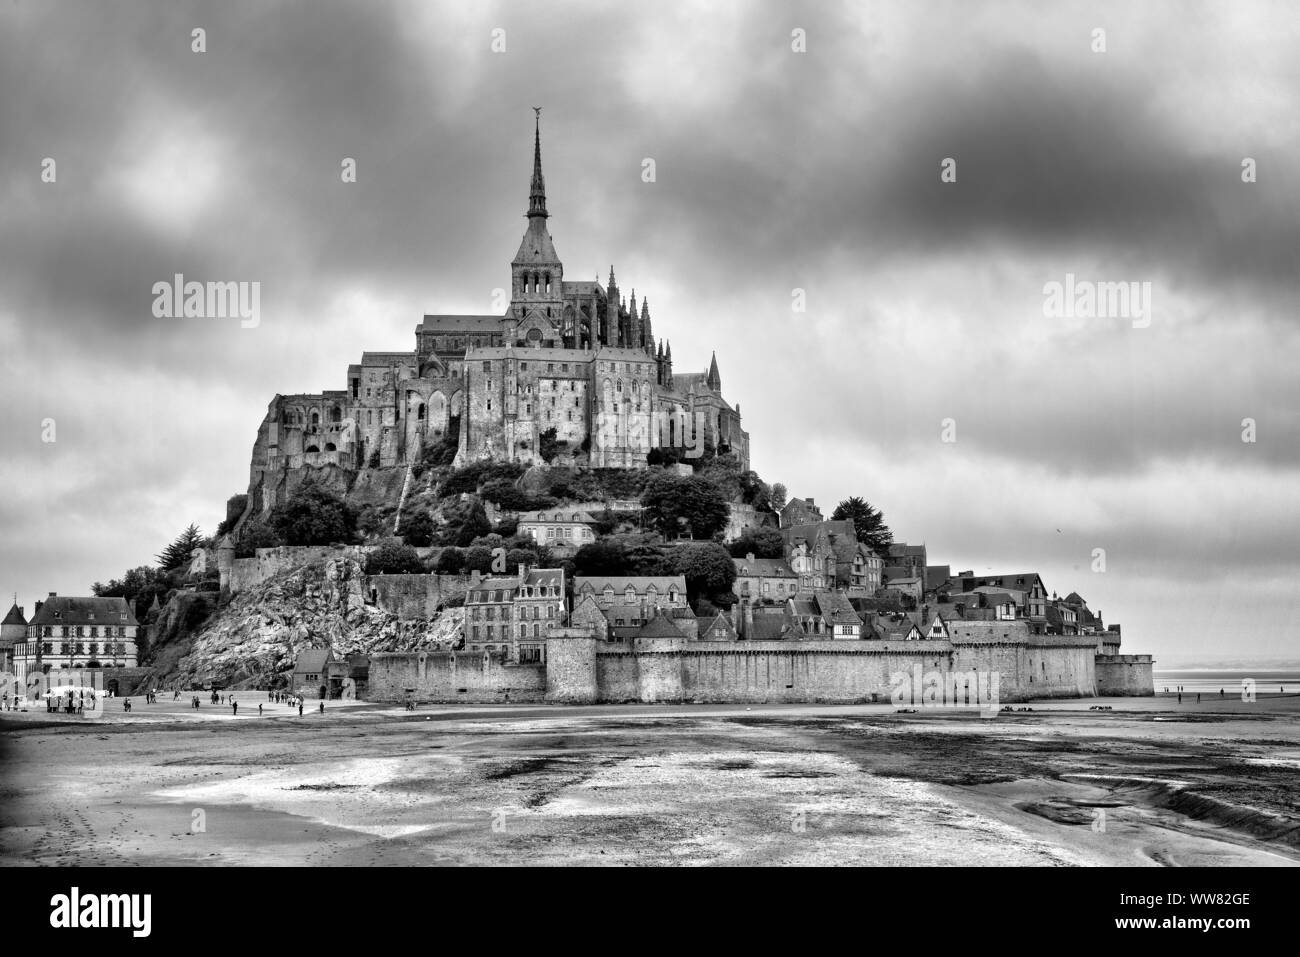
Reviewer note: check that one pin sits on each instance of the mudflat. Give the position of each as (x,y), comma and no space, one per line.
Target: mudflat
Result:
(1152,781)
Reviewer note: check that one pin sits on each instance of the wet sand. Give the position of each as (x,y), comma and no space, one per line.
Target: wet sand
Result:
(1150,782)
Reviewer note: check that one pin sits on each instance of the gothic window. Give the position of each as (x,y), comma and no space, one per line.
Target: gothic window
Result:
(487,366)
(315,419)
(548,289)
(336,414)
(420,412)
(330,447)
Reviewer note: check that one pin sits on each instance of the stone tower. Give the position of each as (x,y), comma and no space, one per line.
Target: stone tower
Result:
(537,296)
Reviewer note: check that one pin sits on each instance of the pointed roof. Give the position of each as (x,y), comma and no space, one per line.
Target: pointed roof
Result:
(719,628)
(537,189)
(660,626)
(536,246)
(714,379)
(14,616)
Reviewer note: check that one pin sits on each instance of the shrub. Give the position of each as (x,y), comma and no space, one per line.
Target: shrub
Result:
(675,504)
(451,561)
(253,535)
(479,559)
(313,515)
(764,542)
(417,528)
(394,557)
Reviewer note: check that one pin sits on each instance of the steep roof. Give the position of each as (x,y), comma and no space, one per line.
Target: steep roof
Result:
(936,575)
(763,568)
(470,324)
(557,515)
(313,660)
(660,626)
(492,590)
(545,577)
(57,610)
(719,626)
(767,628)
(14,616)
(904,550)
(639,583)
(836,610)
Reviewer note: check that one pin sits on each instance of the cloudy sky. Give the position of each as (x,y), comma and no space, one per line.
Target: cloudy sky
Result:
(776,170)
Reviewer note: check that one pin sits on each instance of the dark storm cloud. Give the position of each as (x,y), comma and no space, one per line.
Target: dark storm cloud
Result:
(774,170)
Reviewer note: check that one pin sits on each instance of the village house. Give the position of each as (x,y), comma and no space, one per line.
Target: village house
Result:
(652,590)
(800,511)
(559,528)
(66,633)
(512,615)
(764,579)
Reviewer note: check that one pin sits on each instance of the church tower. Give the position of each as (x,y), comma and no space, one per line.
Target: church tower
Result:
(537,288)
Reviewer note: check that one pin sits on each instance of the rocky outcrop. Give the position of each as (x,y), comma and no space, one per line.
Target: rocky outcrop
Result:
(259,635)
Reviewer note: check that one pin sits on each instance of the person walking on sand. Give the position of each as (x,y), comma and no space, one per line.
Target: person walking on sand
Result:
(1198,697)
(1180,697)
(259,709)
(322,707)
(234,707)
(126,705)
(300,709)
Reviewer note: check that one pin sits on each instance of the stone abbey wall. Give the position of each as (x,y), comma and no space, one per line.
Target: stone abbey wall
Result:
(1125,675)
(454,676)
(580,670)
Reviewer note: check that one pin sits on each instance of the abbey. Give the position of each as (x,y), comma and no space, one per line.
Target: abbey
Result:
(573,356)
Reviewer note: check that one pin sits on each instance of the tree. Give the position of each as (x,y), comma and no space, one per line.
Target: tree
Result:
(478,559)
(451,561)
(778,497)
(548,446)
(676,504)
(765,542)
(178,553)
(313,515)
(603,557)
(708,570)
(475,525)
(417,528)
(394,557)
(139,586)
(253,535)
(868,524)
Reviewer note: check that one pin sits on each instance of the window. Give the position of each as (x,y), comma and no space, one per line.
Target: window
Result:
(487,366)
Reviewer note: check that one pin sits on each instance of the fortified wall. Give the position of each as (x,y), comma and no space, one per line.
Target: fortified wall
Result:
(579,669)
(1125,676)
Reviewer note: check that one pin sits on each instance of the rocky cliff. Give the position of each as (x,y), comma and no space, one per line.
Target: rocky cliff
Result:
(257,637)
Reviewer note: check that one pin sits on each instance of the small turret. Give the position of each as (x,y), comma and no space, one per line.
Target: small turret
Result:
(714,379)
(647,335)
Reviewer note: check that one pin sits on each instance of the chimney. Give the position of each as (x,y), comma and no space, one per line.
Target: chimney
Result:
(54,594)
(37,609)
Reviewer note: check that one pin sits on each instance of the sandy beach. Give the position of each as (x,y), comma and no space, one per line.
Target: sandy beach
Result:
(1150,782)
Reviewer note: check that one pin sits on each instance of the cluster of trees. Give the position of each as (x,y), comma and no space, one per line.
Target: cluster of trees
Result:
(706,566)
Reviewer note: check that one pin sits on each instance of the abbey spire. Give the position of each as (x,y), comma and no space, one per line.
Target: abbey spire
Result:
(537,291)
(537,190)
